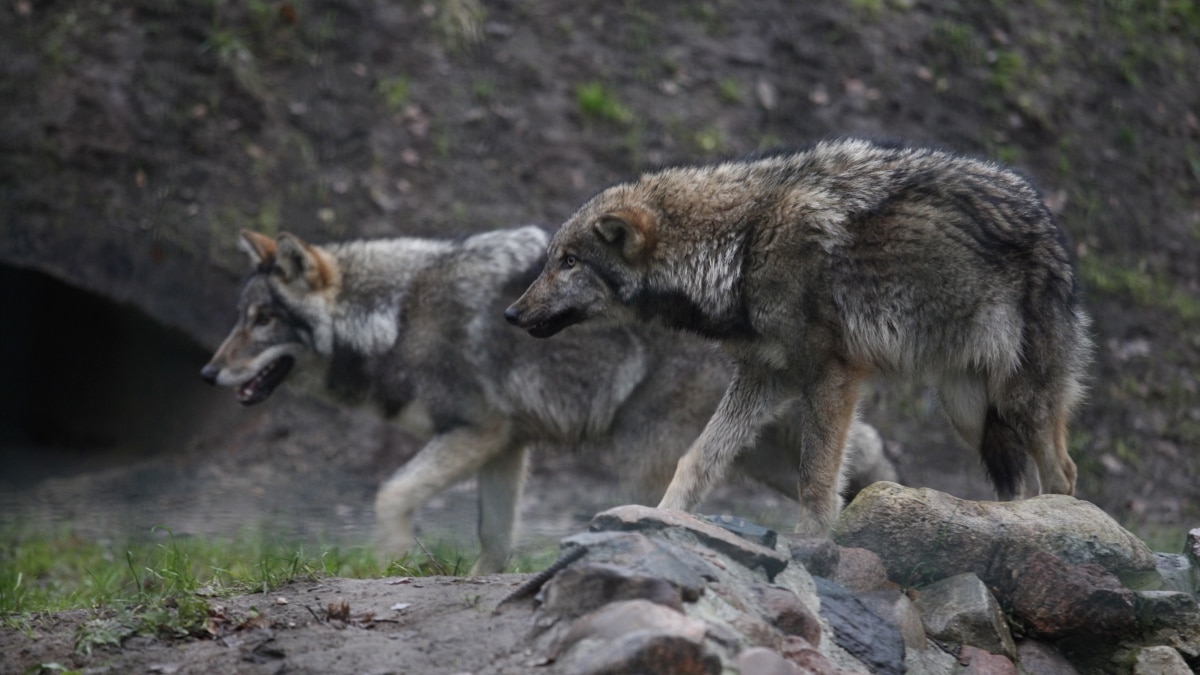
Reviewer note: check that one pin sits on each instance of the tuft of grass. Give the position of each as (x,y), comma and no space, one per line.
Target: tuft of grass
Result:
(711,141)
(394,91)
(958,40)
(868,8)
(433,557)
(1007,69)
(599,103)
(460,23)
(729,91)
(1140,286)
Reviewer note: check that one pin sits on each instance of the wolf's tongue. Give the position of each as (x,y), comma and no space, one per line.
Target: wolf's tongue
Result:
(246,391)
(261,385)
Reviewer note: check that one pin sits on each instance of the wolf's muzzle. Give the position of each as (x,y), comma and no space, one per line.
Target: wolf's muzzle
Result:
(209,373)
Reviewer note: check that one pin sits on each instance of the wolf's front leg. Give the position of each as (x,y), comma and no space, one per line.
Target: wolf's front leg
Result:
(746,407)
(446,459)
(500,484)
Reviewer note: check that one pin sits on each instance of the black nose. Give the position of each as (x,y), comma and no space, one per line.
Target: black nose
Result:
(513,316)
(209,373)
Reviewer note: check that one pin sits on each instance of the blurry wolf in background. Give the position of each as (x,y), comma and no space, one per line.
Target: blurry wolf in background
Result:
(818,268)
(416,327)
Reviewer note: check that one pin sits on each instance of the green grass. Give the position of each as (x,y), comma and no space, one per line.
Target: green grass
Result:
(164,587)
(599,103)
(1007,71)
(729,91)
(1139,285)
(394,91)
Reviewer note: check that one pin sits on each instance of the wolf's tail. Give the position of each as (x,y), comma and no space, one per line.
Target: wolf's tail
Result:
(1003,455)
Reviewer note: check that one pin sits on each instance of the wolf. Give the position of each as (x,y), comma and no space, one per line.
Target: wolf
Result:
(415,327)
(817,268)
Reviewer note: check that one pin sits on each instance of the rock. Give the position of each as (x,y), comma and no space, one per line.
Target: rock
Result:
(898,610)
(617,608)
(1170,619)
(635,636)
(627,616)
(584,587)
(976,661)
(745,529)
(1160,660)
(806,656)
(870,463)
(1191,551)
(643,518)
(962,610)
(1040,658)
(640,554)
(819,555)
(1177,572)
(923,535)
(643,652)
(1056,599)
(861,571)
(931,660)
(763,661)
(784,610)
(860,631)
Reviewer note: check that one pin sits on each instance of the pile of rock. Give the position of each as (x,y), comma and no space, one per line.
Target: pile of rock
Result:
(1055,570)
(913,581)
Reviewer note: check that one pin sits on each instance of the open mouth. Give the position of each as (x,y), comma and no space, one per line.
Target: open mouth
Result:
(544,330)
(259,387)
(554,324)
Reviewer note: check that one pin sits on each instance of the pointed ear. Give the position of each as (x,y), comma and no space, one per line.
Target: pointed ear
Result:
(300,261)
(259,247)
(631,230)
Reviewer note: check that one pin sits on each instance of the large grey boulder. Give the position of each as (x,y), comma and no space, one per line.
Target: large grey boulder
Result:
(923,535)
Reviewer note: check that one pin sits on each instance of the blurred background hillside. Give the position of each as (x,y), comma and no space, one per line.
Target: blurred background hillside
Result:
(137,137)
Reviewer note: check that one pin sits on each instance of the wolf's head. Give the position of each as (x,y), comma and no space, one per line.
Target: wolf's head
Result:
(595,267)
(283,316)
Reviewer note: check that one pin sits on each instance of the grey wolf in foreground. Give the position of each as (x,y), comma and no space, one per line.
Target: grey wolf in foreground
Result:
(816,269)
(416,327)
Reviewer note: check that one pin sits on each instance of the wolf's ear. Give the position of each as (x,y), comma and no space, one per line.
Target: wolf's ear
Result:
(299,261)
(259,247)
(631,230)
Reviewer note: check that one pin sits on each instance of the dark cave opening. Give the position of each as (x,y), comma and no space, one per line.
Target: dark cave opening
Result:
(86,382)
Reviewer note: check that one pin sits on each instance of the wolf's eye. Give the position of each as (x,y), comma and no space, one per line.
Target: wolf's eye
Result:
(263,318)
(570,261)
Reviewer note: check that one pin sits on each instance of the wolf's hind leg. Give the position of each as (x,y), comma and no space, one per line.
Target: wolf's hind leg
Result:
(501,481)
(1028,421)
(1056,469)
(964,400)
(446,459)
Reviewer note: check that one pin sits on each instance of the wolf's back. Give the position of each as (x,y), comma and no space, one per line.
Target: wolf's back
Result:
(512,249)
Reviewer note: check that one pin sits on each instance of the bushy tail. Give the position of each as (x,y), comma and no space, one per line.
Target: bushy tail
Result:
(1003,455)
